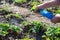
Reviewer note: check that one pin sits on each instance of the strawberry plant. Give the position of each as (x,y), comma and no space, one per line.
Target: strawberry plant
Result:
(15,28)
(38,25)
(57,11)
(13,15)
(35,26)
(52,33)
(27,26)
(34,2)
(24,23)
(20,1)
(6,7)
(27,39)
(5,26)
(33,8)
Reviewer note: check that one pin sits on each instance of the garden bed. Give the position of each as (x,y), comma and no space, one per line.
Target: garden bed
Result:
(17,22)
